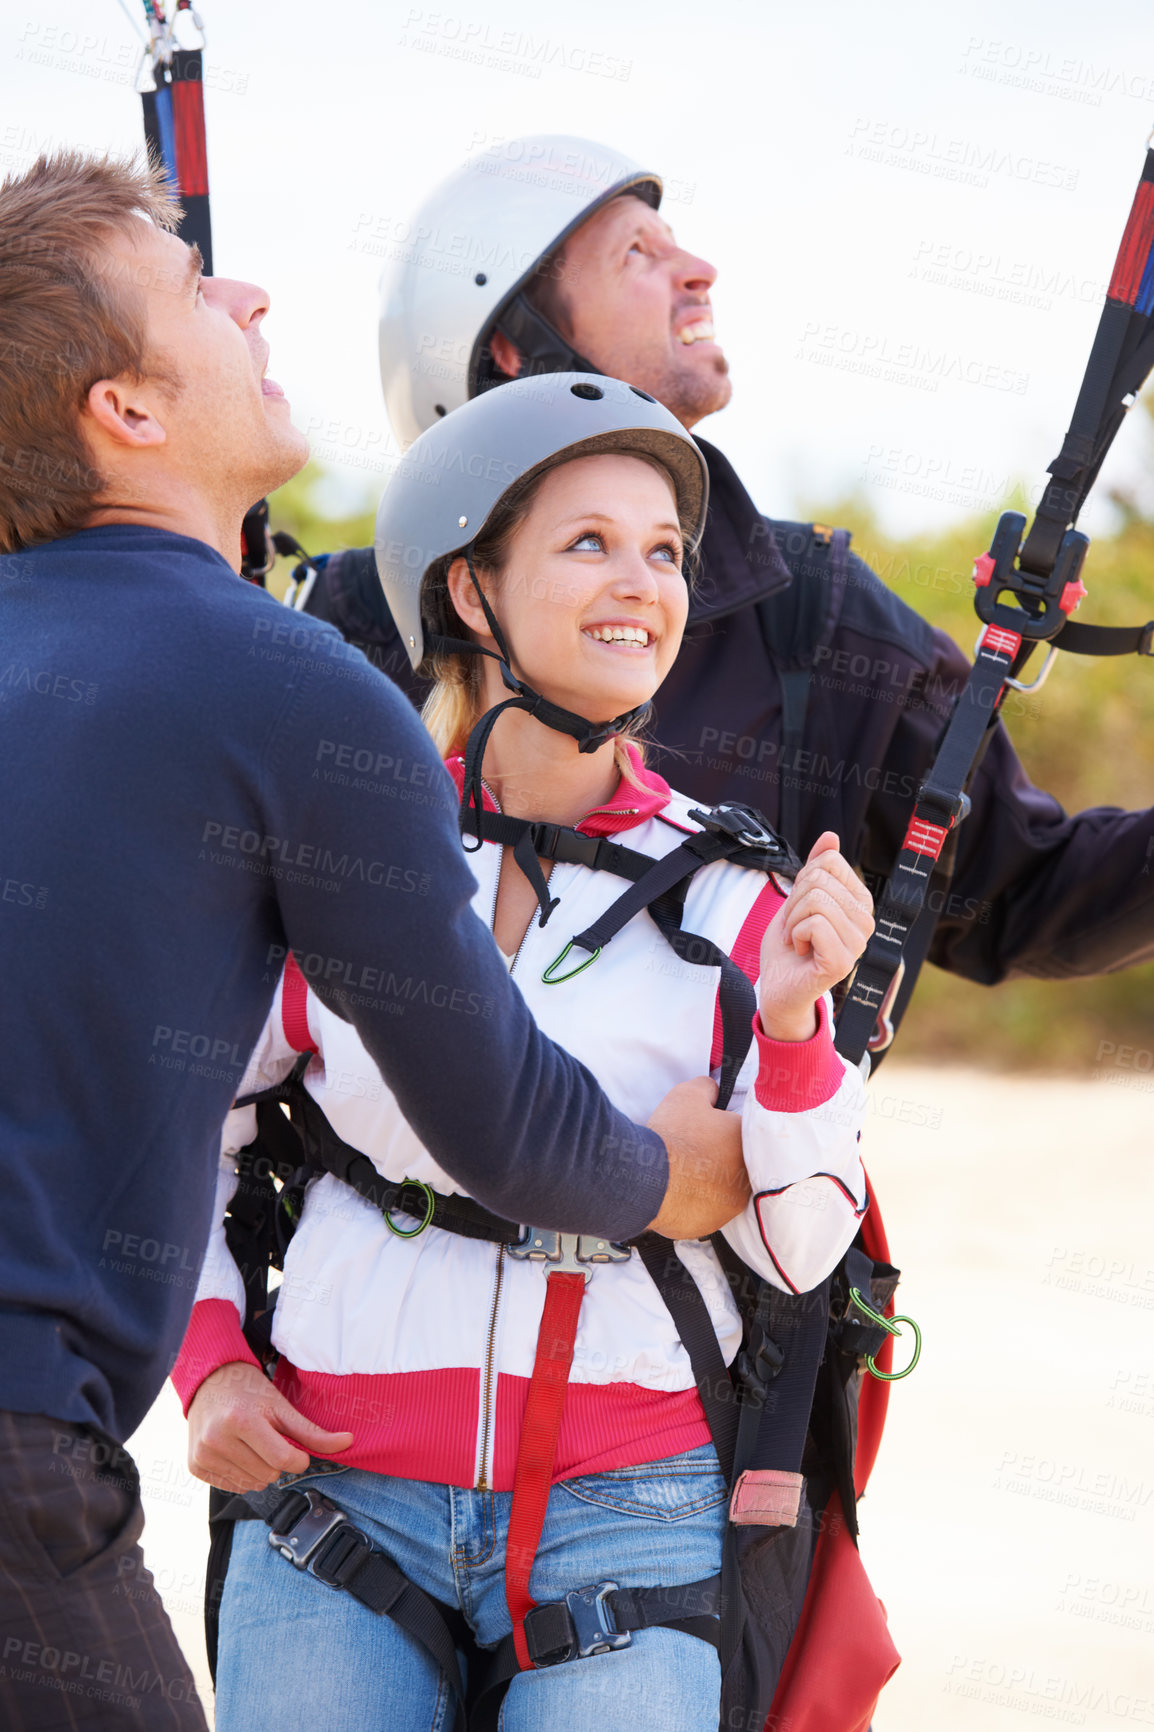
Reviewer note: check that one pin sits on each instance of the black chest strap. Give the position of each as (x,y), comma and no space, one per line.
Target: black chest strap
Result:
(730,832)
(323,1148)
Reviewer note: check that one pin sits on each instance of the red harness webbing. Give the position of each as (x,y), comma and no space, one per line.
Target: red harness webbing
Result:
(294,1000)
(537,1450)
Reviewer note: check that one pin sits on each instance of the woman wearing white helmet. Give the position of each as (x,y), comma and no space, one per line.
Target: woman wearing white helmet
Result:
(508,1435)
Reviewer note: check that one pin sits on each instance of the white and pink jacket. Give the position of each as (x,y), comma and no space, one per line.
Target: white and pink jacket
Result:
(424,1347)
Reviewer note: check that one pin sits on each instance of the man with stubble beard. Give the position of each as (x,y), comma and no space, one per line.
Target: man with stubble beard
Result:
(804,687)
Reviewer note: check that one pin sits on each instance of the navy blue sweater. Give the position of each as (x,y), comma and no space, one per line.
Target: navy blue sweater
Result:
(192,780)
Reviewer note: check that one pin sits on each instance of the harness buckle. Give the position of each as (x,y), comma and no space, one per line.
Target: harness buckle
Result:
(593,1628)
(943,805)
(567,1253)
(545,838)
(302,1538)
(749,827)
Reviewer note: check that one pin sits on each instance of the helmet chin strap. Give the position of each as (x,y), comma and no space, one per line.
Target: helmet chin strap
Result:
(540,345)
(588,735)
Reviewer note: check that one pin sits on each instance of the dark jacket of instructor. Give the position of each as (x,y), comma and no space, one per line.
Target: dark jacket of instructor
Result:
(176,819)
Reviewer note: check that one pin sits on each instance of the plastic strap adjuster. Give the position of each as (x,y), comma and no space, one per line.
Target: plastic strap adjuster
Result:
(338,1558)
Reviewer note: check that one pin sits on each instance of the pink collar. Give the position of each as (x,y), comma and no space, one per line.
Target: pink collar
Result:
(628,807)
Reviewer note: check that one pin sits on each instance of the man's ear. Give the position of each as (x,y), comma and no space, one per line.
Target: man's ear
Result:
(124,414)
(506,354)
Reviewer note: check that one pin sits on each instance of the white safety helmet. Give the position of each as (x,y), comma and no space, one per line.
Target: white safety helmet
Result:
(467,255)
(448,484)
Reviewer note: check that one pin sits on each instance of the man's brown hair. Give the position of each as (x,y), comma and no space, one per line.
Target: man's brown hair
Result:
(64,324)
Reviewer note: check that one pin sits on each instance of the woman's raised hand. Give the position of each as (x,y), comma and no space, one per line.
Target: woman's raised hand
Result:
(813,941)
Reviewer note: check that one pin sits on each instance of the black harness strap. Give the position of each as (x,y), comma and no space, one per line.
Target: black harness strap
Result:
(784,1341)
(732,832)
(770,1427)
(737,834)
(680,863)
(685,1304)
(852,1336)
(554,1631)
(315,1534)
(736,998)
(690,1314)
(1042,576)
(775,1422)
(533,841)
(1106,640)
(339,1553)
(558,843)
(1120,359)
(455,1214)
(941,804)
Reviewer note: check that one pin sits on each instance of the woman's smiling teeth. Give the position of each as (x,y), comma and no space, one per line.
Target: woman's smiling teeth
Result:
(631,634)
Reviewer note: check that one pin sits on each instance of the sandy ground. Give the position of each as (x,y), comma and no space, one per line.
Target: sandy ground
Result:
(1009,1527)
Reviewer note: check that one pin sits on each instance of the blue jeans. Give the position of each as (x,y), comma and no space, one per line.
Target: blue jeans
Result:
(294,1652)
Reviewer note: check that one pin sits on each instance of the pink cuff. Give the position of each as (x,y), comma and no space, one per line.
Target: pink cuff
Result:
(794,1076)
(213,1338)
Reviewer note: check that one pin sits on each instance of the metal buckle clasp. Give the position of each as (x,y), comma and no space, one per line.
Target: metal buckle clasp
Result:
(756,833)
(594,1626)
(300,1540)
(743,823)
(567,1253)
(753,831)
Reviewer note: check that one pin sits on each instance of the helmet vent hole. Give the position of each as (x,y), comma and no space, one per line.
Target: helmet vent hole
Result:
(480,279)
(440,408)
(638,392)
(593,392)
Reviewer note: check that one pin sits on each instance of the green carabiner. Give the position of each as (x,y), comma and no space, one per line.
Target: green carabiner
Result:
(413,1232)
(890,1325)
(551,979)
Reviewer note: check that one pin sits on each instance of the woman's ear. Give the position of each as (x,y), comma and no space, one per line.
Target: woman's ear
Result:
(465,600)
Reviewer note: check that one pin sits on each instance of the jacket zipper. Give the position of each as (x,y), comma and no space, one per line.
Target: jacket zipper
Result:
(611,812)
(488,1385)
(488,1381)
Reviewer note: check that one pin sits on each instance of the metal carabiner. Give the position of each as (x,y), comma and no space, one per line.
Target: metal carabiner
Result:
(890,1325)
(430,1205)
(550,979)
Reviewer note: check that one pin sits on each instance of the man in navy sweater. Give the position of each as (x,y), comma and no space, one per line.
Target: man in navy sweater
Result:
(177,818)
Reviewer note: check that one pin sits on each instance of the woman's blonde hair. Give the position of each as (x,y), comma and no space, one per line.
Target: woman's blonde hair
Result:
(453,707)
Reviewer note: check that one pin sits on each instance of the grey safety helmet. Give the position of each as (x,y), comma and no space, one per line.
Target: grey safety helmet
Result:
(459,269)
(445,490)
(451,480)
